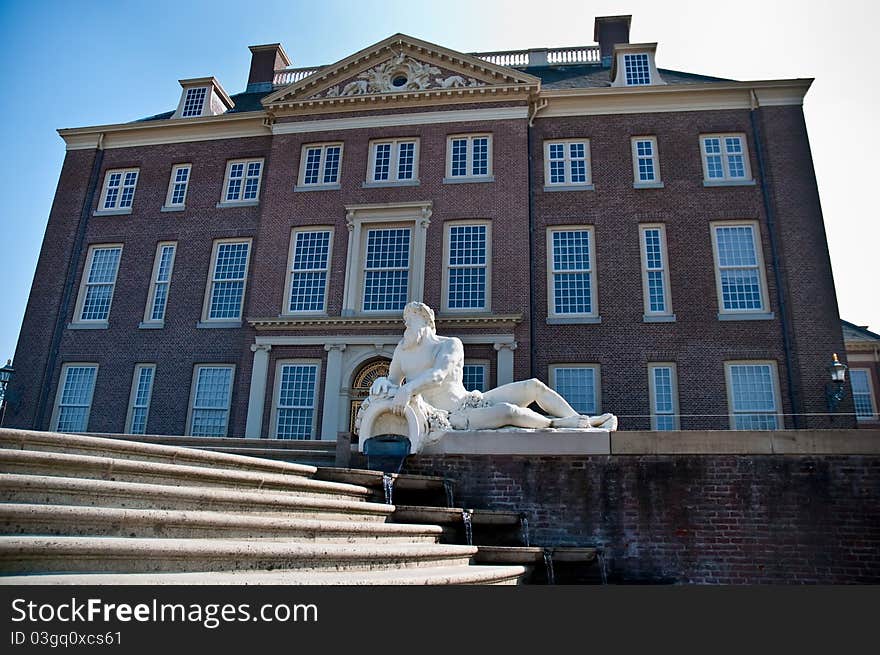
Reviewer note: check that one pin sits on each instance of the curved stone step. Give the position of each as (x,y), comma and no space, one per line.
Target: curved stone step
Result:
(33,462)
(54,490)
(317,445)
(28,555)
(277,454)
(453,575)
(122,449)
(70,520)
(452,515)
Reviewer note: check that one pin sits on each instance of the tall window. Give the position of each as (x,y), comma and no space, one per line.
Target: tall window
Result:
(386,269)
(320,164)
(637,69)
(99,280)
(663,389)
(295,400)
(395,160)
(74,399)
(211,398)
(753,394)
(228,277)
(567,163)
(725,158)
(474,377)
(739,268)
(139,404)
(579,385)
(161,281)
(308,270)
(177,186)
(655,274)
(863,394)
(646,165)
(469,156)
(194,102)
(467,275)
(118,193)
(242,181)
(571,287)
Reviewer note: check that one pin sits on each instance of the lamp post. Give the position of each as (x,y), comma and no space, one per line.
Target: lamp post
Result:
(835,391)
(6,374)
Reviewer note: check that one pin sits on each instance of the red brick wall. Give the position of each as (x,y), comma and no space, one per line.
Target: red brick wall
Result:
(690,519)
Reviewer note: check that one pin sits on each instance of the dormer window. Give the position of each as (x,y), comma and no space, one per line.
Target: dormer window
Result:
(637,69)
(194,102)
(202,97)
(633,64)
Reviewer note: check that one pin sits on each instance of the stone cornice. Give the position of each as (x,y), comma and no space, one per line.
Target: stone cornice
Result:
(672,97)
(508,321)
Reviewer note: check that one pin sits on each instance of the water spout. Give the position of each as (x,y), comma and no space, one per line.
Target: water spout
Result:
(388,486)
(548,566)
(447,487)
(600,555)
(467,518)
(524,529)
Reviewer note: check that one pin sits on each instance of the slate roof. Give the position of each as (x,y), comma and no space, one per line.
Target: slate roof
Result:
(577,76)
(853,332)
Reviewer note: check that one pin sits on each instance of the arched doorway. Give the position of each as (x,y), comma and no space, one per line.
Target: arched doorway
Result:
(361,382)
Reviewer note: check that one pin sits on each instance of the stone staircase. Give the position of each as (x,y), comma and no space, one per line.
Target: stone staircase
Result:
(312,452)
(78,509)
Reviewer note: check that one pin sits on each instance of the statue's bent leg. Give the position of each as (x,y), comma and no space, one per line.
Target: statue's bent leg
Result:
(498,416)
(526,392)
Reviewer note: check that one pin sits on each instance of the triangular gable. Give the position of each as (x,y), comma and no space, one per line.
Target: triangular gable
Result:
(402,67)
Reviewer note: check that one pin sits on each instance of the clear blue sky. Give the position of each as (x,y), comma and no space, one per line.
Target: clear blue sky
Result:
(76,63)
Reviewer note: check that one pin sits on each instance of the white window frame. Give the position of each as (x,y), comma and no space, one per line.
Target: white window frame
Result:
(285,310)
(567,184)
(241,201)
(301,184)
(597,382)
(276,396)
(132,400)
(206,101)
(631,56)
(78,320)
(59,393)
(652,394)
(209,288)
(725,314)
(170,205)
(774,380)
(116,207)
(393,163)
(362,218)
(481,363)
(650,315)
(638,182)
(571,317)
(726,179)
(489,176)
(190,415)
(447,252)
(149,321)
(872,398)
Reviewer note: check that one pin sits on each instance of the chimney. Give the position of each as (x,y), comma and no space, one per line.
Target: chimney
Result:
(608,31)
(265,60)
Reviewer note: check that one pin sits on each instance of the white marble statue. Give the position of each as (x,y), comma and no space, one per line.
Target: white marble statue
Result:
(424,389)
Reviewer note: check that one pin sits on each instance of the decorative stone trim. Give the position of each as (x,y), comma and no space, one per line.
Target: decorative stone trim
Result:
(508,321)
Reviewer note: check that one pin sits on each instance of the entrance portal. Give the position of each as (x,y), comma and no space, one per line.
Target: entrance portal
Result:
(362,381)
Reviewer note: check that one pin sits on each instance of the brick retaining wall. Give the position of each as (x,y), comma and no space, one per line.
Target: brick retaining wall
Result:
(704,519)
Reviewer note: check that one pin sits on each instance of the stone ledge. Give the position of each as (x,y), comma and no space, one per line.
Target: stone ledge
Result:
(725,442)
(522,442)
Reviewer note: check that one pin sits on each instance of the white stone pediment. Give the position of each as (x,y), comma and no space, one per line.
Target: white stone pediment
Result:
(402,68)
